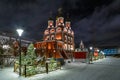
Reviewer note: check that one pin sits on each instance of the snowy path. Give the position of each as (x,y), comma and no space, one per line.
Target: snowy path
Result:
(104,69)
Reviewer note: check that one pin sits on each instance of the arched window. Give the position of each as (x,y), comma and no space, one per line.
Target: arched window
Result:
(52,37)
(65,46)
(59,29)
(52,31)
(61,19)
(65,37)
(50,23)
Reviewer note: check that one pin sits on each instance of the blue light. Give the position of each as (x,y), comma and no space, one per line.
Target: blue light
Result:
(110,51)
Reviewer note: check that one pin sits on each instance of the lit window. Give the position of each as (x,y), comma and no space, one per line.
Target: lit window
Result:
(52,37)
(52,31)
(59,29)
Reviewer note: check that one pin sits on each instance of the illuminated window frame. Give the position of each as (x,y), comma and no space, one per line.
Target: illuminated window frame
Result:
(58,29)
(52,31)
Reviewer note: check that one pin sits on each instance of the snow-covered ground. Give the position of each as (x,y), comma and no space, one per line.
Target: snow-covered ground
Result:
(103,69)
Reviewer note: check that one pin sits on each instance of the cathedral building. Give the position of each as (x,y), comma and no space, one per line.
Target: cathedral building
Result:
(58,39)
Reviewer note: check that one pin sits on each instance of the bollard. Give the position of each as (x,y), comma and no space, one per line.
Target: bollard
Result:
(46,67)
(25,70)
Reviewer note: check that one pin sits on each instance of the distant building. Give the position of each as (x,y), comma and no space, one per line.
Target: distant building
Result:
(81,52)
(9,48)
(111,51)
(8,42)
(58,39)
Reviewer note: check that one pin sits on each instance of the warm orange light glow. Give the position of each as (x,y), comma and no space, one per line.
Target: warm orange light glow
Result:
(58,40)
(49,47)
(50,23)
(58,37)
(52,31)
(37,45)
(60,20)
(59,29)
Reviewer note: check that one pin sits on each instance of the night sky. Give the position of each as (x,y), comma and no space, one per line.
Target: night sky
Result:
(93,21)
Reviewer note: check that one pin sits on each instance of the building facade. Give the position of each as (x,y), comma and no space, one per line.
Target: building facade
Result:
(9,48)
(58,39)
(81,52)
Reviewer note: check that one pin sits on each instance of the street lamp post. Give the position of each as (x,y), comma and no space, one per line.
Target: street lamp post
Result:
(19,31)
(90,53)
(98,57)
(56,48)
(71,53)
(55,54)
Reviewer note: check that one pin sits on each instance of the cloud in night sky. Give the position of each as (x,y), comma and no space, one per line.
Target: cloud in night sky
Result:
(102,26)
(31,14)
(92,20)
